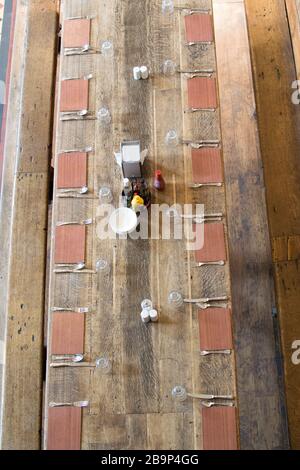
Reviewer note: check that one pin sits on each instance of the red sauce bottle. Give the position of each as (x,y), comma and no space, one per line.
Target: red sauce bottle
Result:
(159,182)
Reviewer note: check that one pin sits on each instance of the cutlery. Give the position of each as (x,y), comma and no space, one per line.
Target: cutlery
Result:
(83,150)
(205,300)
(75,310)
(82,222)
(202,185)
(70,357)
(206,306)
(76,404)
(210,404)
(82,190)
(226,352)
(209,263)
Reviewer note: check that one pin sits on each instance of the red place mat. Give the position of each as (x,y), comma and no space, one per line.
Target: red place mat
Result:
(74,95)
(67,333)
(72,170)
(199,28)
(202,93)
(64,428)
(214,248)
(70,244)
(215,329)
(207,166)
(76,33)
(219,428)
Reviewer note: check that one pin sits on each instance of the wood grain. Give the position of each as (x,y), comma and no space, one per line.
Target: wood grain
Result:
(279,121)
(132,406)
(261,405)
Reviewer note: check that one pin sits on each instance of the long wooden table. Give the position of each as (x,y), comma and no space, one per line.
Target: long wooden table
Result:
(132,407)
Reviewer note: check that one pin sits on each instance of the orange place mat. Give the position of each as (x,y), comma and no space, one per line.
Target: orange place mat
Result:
(202,93)
(67,333)
(74,95)
(199,28)
(207,166)
(72,170)
(70,244)
(76,33)
(64,428)
(215,329)
(219,428)
(214,248)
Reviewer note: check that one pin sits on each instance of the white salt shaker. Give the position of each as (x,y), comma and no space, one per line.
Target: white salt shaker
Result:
(145,316)
(153,315)
(137,74)
(144,72)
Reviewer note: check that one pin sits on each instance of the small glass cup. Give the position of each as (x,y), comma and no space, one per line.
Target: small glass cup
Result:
(167,6)
(105,195)
(103,116)
(104,365)
(147,304)
(169,68)
(172,139)
(102,266)
(175,299)
(107,48)
(179,393)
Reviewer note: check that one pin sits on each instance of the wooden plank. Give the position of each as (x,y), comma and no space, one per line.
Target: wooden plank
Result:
(253,295)
(293,11)
(279,121)
(23,306)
